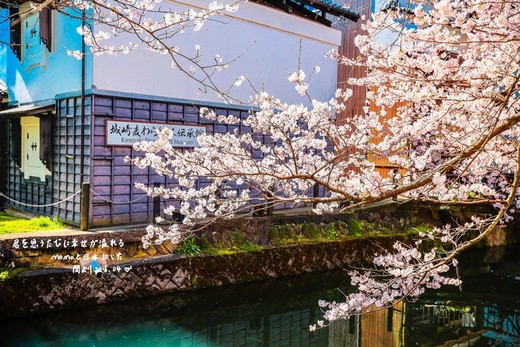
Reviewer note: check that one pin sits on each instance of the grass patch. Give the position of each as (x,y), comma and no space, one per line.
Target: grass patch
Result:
(290,234)
(423,228)
(287,234)
(420,229)
(11,224)
(4,217)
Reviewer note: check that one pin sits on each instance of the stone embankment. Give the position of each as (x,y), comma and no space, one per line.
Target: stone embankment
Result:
(49,289)
(60,277)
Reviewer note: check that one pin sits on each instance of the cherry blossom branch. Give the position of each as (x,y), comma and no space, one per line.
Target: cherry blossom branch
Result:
(156,28)
(407,272)
(442,109)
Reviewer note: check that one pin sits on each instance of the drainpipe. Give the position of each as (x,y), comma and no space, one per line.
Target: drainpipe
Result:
(3,149)
(85,186)
(82,140)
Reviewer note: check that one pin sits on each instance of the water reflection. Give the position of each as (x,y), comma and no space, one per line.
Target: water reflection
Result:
(486,312)
(278,313)
(431,323)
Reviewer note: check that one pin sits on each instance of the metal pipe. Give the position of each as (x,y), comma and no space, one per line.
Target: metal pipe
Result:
(82,140)
(85,193)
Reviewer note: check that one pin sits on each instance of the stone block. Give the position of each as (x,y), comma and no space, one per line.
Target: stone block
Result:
(131,250)
(169,246)
(151,251)
(162,250)
(179,277)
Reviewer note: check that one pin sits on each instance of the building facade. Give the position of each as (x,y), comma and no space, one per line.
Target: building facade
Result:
(61,114)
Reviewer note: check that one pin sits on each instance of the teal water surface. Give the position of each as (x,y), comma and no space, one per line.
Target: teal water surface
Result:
(278,313)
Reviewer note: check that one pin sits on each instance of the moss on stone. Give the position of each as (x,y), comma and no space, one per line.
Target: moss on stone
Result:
(6,274)
(355,227)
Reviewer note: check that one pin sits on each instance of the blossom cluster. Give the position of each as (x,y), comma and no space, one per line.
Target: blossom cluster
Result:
(442,111)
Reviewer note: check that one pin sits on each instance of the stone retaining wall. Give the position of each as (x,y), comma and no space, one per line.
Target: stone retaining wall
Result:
(135,276)
(65,251)
(121,246)
(56,289)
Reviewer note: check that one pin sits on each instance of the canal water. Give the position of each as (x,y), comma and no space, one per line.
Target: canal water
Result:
(279,312)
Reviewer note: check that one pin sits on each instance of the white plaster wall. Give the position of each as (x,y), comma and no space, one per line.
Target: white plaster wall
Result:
(267,40)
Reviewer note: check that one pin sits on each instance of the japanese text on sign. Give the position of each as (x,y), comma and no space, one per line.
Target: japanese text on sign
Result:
(122,133)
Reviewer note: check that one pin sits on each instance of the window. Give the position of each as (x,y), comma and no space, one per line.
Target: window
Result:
(46,27)
(29,34)
(30,138)
(35,147)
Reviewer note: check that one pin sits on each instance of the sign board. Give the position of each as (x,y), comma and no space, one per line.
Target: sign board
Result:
(124,133)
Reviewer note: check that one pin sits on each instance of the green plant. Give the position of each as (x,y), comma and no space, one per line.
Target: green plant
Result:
(422,228)
(284,230)
(224,252)
(300,237)
(382,230)
(207,247)
(204,244)
(331,233)
(194,281)
(310,229)
(4,217)
(4,275)
(278,243)
(188,247)
(47,222)
(355,227)
(241,244)
(341,226)
(274,232)
(217,251)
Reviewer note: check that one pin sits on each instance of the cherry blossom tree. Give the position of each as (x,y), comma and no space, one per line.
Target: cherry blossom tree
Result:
(453,69)
(447,71)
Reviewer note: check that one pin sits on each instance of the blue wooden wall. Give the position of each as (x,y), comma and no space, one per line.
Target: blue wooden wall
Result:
(115,200)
